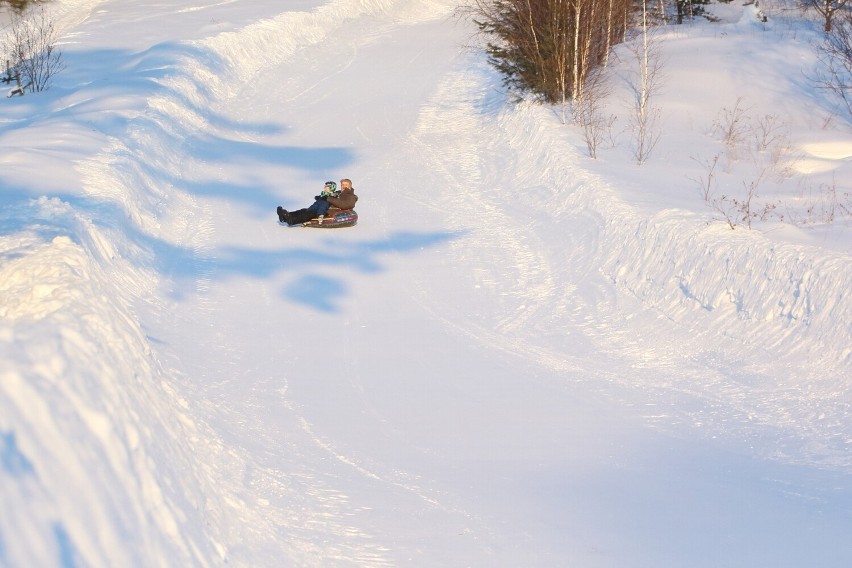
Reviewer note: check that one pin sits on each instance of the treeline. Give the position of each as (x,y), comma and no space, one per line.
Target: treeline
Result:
(549,47)
(19,6)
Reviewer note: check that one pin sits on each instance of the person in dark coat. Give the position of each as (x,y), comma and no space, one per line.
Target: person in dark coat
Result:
(329,202)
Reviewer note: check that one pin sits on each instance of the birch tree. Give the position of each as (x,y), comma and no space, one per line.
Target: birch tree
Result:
(645,83)
(548,47)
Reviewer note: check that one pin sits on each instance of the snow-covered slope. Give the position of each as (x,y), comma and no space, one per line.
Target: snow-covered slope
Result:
(520,356)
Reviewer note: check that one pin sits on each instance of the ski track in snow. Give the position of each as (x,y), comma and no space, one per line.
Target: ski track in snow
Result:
(499,245)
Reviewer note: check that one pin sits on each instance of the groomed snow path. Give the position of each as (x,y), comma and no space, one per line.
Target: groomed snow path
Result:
(481,373)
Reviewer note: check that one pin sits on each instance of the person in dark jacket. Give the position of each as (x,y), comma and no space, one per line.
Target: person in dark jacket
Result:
(327,203)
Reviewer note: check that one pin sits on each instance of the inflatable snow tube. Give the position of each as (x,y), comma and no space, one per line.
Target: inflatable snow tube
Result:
(345,218)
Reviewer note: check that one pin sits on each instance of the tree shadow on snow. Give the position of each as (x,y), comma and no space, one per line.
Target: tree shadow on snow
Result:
(323,293)
(317,291)
(101,91)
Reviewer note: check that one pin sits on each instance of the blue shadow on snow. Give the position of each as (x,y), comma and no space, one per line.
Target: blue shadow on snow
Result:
(322,292)
(98,80)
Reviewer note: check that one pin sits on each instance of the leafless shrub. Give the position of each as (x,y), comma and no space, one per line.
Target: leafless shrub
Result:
(826,204)
(835,55)
(732,127)
(588,112)
(765,139)
(727,208)
(707,182)
(774,151)
(31,45)
(744,208)
(596,126)
(746,205)
(770,130)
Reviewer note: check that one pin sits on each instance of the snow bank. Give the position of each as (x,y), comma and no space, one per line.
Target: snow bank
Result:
(67,14)
(724,291)
(271,41)
(792,297)
(77,388)
(787,297)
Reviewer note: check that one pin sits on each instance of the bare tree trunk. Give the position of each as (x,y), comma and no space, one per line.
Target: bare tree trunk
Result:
(828,13)
(827,8)
(533,32)
(578,6)
(609,33)
(644,118)
(560,35)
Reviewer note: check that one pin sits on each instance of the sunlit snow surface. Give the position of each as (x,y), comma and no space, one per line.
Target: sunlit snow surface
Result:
(520,356)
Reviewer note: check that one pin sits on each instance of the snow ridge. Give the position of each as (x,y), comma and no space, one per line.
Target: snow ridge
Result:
(782,296)
(90,380)
(788,301)
(271,41)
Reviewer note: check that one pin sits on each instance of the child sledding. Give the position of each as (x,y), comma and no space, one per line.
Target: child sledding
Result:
(333,207)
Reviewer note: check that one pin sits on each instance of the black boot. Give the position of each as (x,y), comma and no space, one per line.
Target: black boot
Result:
(282,214)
